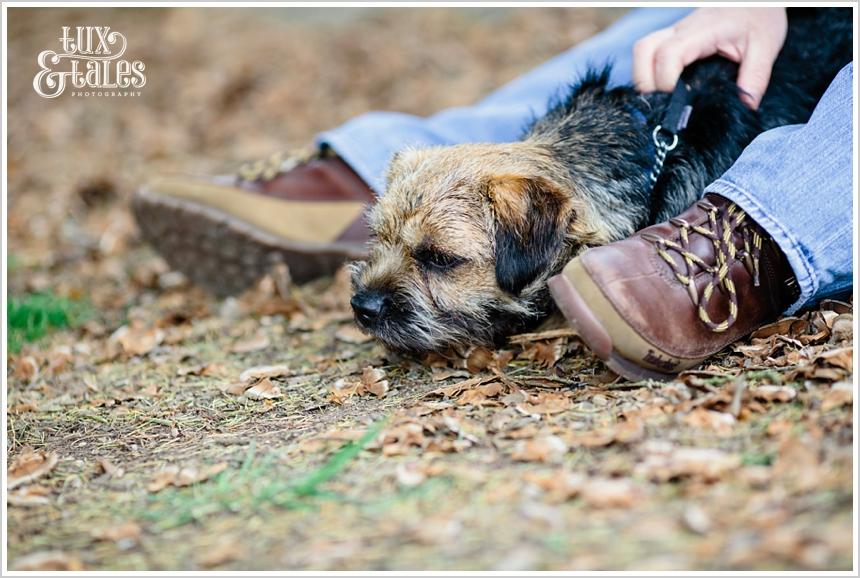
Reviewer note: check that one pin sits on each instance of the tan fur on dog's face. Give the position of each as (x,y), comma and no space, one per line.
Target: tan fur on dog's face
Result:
(465,238)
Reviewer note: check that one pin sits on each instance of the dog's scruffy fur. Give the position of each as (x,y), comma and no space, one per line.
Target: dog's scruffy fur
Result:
(465,237)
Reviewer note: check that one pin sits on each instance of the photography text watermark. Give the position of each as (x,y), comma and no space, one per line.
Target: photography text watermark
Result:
(90,64)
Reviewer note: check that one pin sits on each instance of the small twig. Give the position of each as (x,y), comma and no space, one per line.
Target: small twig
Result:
(737,397)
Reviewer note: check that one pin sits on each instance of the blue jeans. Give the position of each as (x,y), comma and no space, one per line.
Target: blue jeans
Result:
(796,181)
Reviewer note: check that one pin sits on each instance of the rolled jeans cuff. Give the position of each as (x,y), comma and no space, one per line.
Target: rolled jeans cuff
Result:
(786,241)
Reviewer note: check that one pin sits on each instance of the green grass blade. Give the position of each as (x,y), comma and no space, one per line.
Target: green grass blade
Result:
(310,485)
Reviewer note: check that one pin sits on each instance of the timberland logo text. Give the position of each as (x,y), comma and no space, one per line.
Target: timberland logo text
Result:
(90,63)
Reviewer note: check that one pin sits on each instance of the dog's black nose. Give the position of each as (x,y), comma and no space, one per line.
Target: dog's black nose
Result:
(369,306)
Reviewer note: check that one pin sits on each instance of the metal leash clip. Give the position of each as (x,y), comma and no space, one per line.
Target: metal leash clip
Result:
(674,120)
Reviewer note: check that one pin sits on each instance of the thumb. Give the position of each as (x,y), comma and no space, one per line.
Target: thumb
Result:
(754,73)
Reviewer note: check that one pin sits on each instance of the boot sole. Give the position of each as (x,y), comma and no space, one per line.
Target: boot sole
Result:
(226,255)
(595,336)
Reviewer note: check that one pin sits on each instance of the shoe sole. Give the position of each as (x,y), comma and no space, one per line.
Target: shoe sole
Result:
(226,255)
(587,326)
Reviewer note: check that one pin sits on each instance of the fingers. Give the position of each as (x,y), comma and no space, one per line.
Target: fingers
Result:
(752,37)
(668,65)
(660,57)
(673,56)
(643,59)
(754,72)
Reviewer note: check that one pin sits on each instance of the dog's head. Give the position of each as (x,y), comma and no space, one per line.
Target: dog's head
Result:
(465,238)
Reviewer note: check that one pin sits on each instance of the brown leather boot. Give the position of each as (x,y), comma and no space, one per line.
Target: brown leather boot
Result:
(226,232)
(675,293)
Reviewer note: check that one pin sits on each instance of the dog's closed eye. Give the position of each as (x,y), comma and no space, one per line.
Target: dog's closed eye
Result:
(432,259)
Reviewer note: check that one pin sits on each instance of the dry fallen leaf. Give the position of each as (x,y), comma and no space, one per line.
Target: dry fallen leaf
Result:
(28,466)
(790,326)
(455,389)
(760,349)
(263,371)
(27,367)
(137,340)
(125,535)
(480,394)
(263,389)
(443,374)
(559,486)
(20,408)
(546,403)
(379,388)
(479,359)
(51,560)
(707,464)
(781,393)
(29,496)
(545,353)
(843,328)
(628,431)
(163,478)
(341,390)
(841,393)
(823,364)
(720,422)
(59,359)
(373,380)
(468,430)
(108,468)
(397,440)
(593,438)
(176,476)
(203,370)
(611,493)
(548,448)
(188,476)
(842,358)
(235,388)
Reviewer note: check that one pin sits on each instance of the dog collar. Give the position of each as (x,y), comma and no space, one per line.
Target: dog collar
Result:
(665,135)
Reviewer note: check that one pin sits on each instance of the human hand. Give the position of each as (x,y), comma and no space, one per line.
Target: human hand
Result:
(752,37)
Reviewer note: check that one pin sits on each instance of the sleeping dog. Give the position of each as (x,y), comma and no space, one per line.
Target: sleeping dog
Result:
(465,237)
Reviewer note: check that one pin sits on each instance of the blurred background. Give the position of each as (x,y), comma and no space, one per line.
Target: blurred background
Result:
(224,86)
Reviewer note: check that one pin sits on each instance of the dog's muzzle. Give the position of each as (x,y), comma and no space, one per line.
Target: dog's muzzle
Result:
(370,307)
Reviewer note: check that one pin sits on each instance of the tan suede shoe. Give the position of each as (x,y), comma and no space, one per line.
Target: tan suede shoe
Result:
(675,293)
(225,233)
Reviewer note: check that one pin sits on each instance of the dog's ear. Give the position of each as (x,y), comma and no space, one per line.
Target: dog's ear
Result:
(530,214)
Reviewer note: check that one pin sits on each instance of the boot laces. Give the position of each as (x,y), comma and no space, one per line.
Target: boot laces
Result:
(720,229)
(268,168)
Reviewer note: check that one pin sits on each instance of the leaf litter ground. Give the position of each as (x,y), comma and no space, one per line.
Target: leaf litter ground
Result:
(166,430)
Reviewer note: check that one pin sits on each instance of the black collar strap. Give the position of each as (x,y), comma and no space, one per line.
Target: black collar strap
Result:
(666,133)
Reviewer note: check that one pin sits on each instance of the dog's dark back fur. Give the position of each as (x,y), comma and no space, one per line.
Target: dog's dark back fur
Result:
(605,124)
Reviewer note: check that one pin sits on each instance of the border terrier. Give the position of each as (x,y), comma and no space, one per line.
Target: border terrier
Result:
(465,237)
